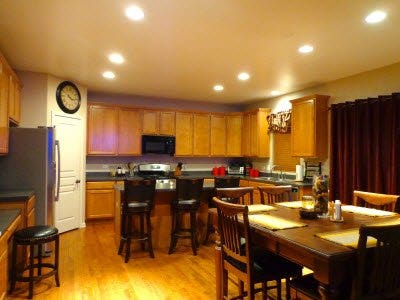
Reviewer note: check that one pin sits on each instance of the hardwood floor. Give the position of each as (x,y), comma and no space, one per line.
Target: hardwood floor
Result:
(90,268)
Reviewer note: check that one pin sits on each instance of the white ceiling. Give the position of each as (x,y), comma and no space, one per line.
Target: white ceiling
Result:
(183,47)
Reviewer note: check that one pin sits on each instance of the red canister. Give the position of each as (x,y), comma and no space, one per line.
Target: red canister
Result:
(256,173)
(215,171)
(251,172)
(221,171)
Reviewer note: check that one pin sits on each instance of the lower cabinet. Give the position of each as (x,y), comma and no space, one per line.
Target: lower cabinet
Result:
(3,268)
(100,200)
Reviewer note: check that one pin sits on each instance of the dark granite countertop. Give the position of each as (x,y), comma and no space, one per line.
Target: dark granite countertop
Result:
(102,176)
(7,216)
(16,194)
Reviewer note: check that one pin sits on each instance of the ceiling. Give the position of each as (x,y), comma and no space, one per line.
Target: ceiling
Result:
(183,48)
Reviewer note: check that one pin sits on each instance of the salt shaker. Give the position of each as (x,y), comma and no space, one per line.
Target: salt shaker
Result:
(337,215)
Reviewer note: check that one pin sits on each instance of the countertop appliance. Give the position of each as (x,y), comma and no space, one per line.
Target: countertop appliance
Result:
(159,172)
(236,170)
(31,164)
(158,144)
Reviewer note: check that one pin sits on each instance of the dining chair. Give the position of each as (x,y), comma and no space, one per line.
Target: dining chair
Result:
(138,201)
(377,267)
(273,194)
(219,182)
(240,258)
(236,195)
(375,200)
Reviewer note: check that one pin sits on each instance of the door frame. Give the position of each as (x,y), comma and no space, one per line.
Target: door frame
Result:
(82,172)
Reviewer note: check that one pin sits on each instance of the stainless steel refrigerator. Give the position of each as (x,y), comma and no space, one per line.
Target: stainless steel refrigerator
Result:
(31,164)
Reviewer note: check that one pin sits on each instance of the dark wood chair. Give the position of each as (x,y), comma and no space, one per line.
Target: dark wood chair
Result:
(273,194)
(235,195)
(138,201)
(249,264)
(188,196)
(377,269)
(375,200)
(219,182)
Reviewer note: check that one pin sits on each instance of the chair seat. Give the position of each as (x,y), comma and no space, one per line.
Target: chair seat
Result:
(139,206)
(35,233)
(187,204)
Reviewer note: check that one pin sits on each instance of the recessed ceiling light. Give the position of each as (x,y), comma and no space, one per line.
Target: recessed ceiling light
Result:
(108,75)
(135,13)
(375,17)
(275,93)
(243,76)
(306,49)
(218,88)
(116,58)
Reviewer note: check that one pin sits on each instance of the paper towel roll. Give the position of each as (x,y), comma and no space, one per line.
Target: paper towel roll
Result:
(299,172)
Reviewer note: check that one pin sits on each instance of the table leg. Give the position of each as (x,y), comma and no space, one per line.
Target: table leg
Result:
(218,271)
(331,293)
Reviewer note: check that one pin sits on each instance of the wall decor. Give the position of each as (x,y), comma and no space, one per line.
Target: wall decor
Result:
(280,122)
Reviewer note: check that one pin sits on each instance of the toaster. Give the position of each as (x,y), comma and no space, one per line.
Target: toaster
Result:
(236,170)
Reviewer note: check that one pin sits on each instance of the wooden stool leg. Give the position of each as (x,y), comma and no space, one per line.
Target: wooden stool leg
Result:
(278,289)
(141,216)
(31,270)
(56,260)
(193,231)
(122,235)
(128,238)
(149,238)
(14,267)
(209,228)
(172,242)
(40,248)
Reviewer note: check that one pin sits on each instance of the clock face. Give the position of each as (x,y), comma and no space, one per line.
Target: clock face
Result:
(68,97)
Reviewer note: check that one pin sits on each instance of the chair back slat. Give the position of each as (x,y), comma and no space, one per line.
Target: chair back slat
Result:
(378,268)
(139,190)
(374,200)
(235,195)
(189,188)
(274,194)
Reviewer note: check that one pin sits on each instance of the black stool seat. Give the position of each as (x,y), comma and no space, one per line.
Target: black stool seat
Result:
(34,233)
(35,236)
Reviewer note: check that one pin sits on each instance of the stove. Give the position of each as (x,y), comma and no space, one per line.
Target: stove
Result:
(159,172)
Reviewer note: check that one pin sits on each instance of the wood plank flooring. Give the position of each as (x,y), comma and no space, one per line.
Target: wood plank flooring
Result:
(90,268)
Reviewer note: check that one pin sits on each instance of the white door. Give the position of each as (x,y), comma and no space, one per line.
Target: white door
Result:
(68,131)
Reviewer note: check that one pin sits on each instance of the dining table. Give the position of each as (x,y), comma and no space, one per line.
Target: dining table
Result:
(325,246)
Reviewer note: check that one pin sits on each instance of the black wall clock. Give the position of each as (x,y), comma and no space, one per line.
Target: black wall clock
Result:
(68,97)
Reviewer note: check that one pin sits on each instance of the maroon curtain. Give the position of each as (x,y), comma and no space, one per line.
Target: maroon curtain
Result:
(365,147)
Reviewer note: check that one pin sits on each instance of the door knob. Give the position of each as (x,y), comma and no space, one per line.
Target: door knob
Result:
(78,181)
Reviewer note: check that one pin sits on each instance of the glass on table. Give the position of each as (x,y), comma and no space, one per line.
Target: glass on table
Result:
(308,202)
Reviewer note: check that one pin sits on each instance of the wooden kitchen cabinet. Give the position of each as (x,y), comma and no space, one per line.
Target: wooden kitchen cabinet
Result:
(102,130)
(3,268)
(309,126)
(255,133)
(129,131)
(158,122)
(184,134)
(201,134)
(218,135)
(14,100)
(27,207)
(3,108)
(234,124)
(100,200)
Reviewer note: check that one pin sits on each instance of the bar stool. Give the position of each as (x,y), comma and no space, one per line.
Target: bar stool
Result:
(219,182)
(138,200)
(188,193)
(35,236)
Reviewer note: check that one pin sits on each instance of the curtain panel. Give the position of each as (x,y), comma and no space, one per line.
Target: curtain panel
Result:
(365,147)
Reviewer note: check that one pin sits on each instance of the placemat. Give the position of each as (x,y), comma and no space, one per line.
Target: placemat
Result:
(290,204)
(254,208)
(367,211)
(348,238)
(272,222)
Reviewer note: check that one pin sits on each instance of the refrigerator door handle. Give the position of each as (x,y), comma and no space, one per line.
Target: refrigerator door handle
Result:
(57,144)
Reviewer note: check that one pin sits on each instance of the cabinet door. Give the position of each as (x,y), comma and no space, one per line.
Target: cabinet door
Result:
(218,135)
(3,269)
(201,134)
(246,135)
(17,102)
(99,204)
(167,123)
(3,109)
(31,218)
(234,136)
(253,135)
(262,133)
(129,132)
(102,130)
(184,134)
(303,128)
(11,97)
(150,122)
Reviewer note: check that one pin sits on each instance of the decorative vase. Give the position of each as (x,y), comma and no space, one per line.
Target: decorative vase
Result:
(320,190)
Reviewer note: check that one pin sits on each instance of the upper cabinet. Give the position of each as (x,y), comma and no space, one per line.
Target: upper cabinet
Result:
(234,124)
(14,99)
(129,131)
(158,122)
(102,130)
(3,109)
(218,135)
(201,134)
(255,133)
(184,134)
(309,126)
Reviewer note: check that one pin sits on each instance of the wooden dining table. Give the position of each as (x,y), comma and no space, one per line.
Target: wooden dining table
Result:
(333,264)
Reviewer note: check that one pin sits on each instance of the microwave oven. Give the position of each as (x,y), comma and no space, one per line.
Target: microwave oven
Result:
(158,144)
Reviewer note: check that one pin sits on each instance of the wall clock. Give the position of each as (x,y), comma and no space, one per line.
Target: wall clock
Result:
(68,97)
